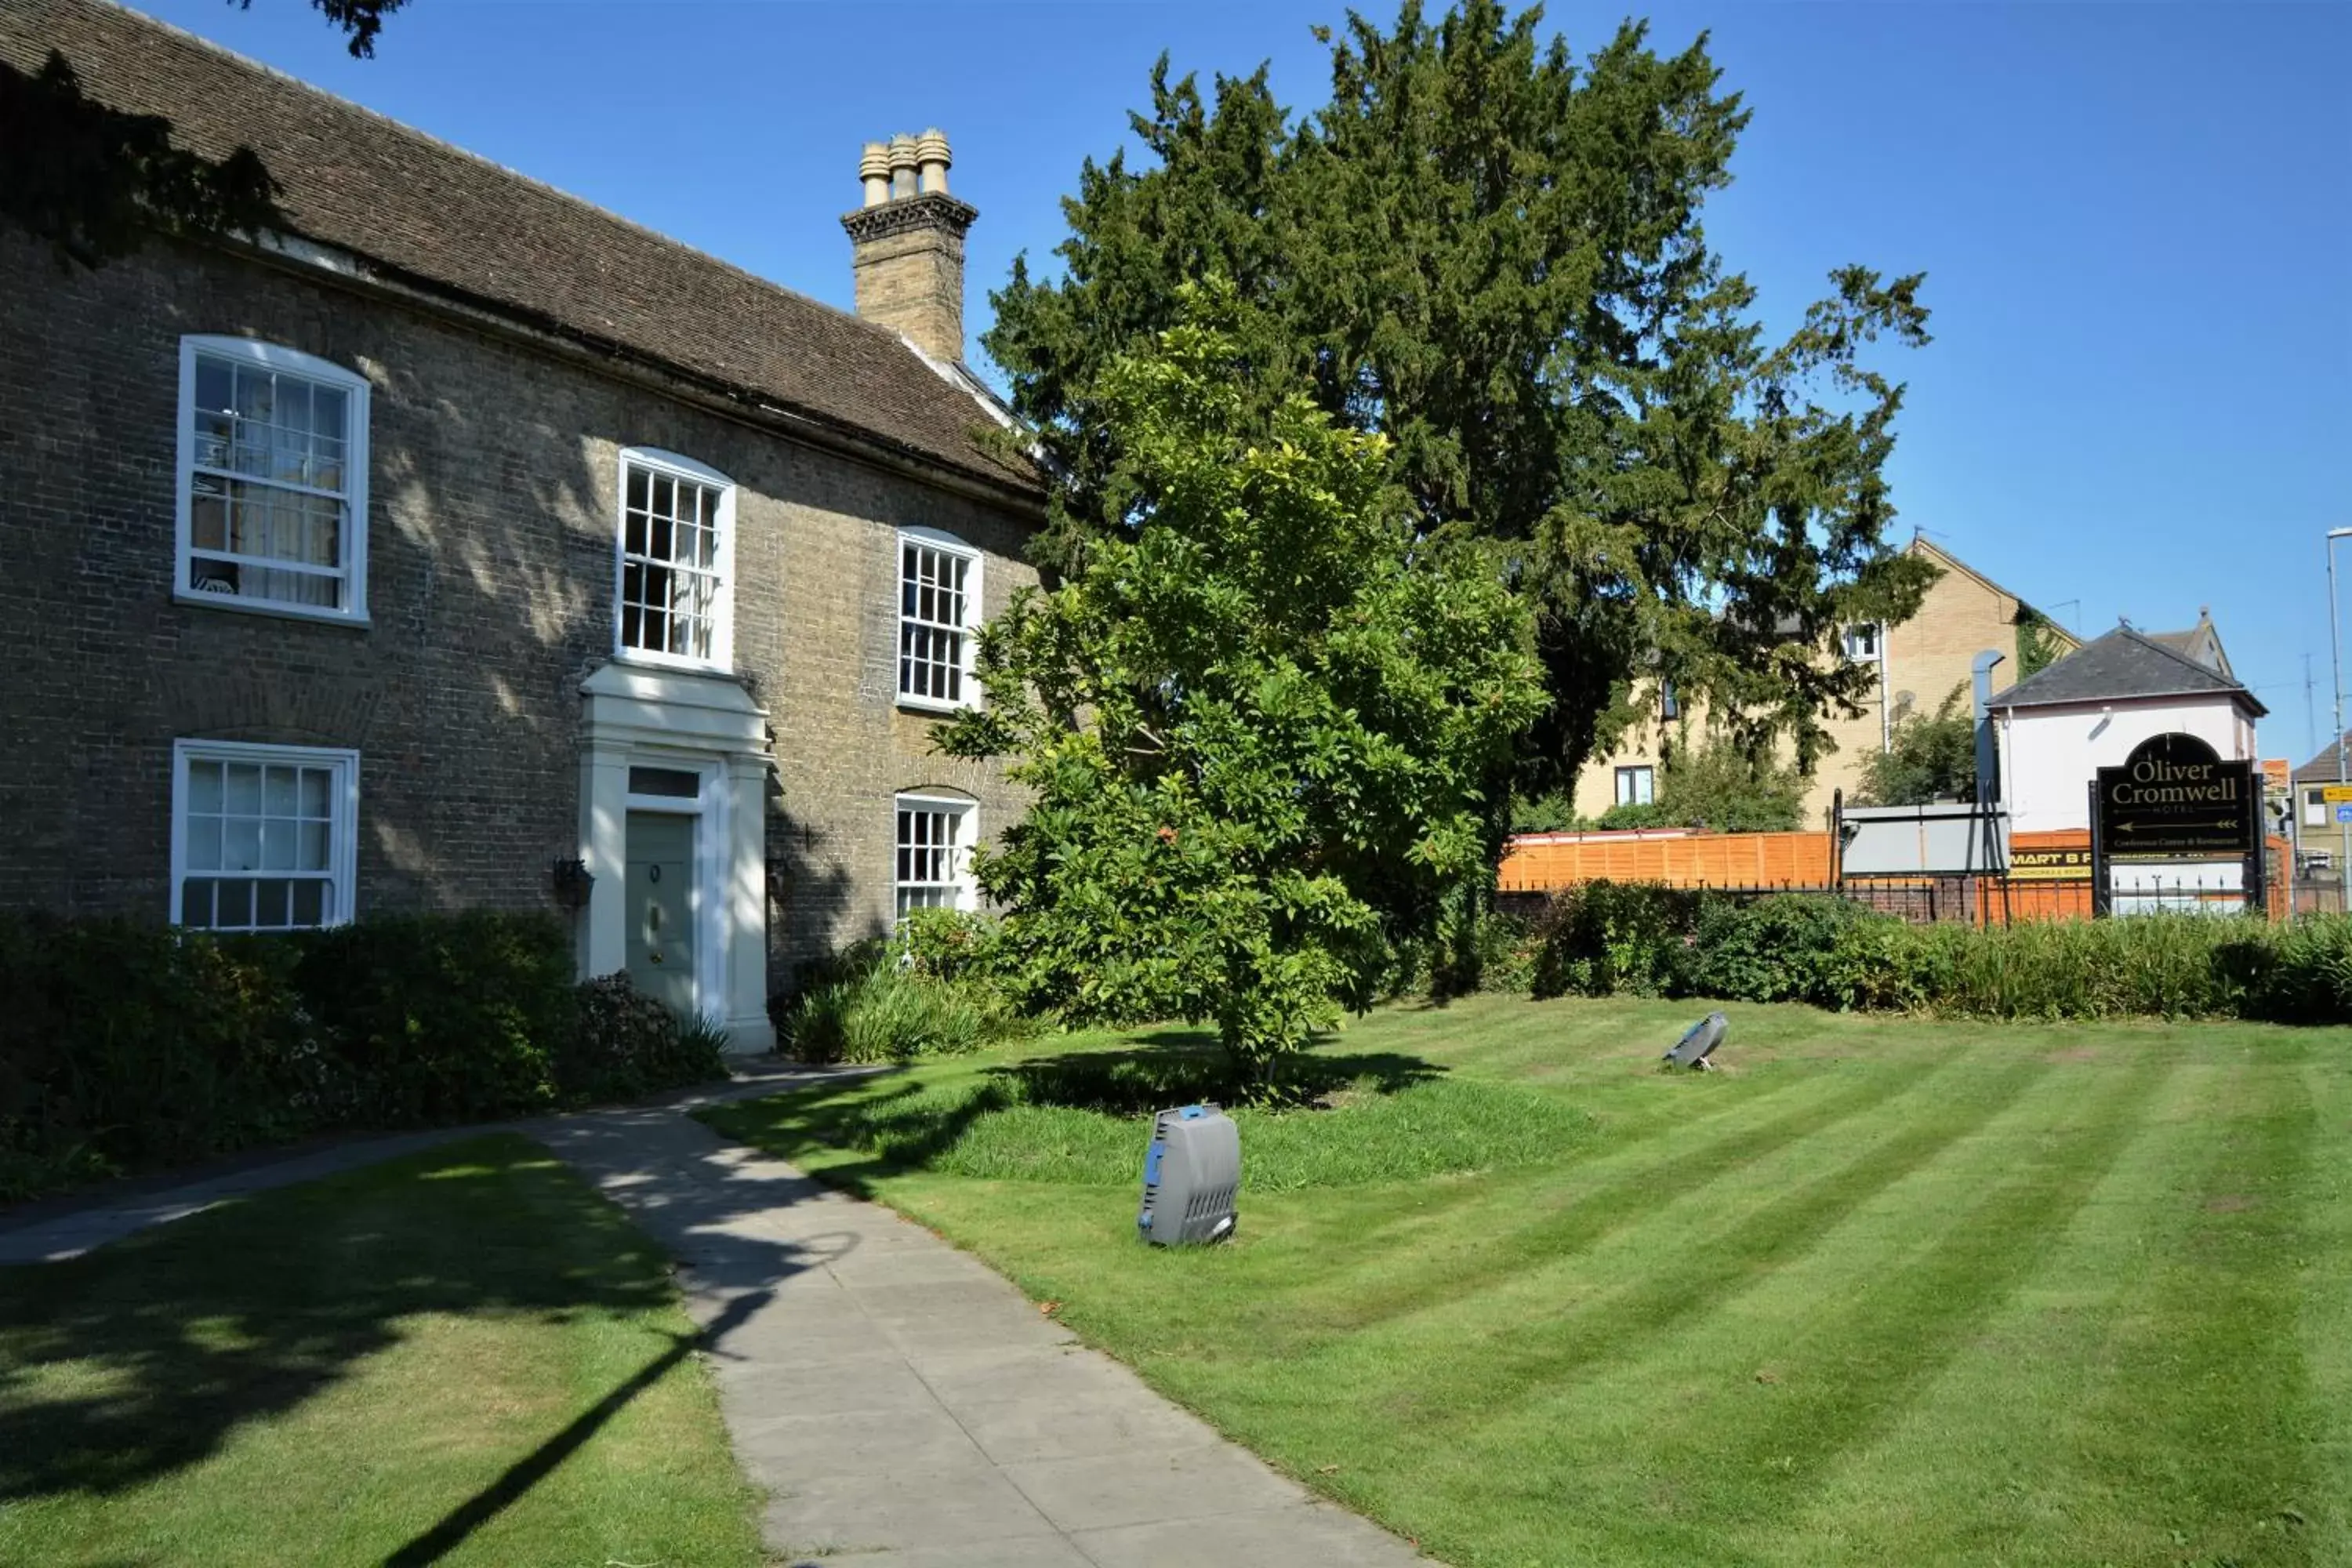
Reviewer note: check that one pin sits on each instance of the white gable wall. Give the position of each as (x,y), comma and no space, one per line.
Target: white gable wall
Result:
(2049,756)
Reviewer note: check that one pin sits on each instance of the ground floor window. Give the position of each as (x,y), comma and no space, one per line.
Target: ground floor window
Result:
(934,853)
(1636,786)
(263,837)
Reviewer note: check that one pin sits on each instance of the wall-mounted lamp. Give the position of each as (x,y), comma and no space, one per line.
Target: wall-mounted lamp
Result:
(572,882)
(779,879)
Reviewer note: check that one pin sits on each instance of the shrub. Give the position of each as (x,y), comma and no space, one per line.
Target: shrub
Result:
(1778,949)
(1883,964)
(893,1011)
(2305,975)
(952,944)
(1603,938)
(450,1017)
(125,1045)
(2161,966)
(626,1044)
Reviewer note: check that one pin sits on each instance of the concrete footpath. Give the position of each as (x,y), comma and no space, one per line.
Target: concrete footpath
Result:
(904,1407)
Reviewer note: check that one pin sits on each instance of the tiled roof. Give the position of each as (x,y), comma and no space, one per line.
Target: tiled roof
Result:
(432,214)
(2122,664)
(2321,768)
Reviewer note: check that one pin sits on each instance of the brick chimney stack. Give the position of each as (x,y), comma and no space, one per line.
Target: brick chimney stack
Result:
(906,243)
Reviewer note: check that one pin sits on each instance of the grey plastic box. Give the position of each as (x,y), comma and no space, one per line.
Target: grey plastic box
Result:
(1190,1177)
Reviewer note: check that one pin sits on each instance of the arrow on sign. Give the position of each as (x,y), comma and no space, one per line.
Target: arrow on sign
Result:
(2226,824)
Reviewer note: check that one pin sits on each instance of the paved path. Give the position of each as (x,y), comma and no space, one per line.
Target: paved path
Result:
(908,1408)
(904,1407)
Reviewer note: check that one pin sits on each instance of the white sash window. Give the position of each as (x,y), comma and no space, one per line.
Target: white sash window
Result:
(272,480)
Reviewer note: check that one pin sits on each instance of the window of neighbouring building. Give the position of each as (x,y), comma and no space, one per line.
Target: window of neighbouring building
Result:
(272,492)
(263,837)
(1636,786)
(939,609)
(676,559)
(2314,808)
(934,839)
(1862,642)
(1670,706)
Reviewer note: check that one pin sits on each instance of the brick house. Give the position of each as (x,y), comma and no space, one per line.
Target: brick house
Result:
(465,545)
(1915,665)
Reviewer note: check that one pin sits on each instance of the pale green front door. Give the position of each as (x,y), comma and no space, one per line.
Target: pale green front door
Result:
(661,907)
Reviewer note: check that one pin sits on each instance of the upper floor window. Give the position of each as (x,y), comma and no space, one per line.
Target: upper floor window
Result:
(1670,703)
(939,609)
(1862,642)
(676,563)
(272,495)
(1637,786)
(263,837)
(935,839)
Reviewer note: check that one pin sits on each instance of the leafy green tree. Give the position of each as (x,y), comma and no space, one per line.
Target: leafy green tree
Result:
(1718,787)
(91,180)
(1257,714)
(1930,757)
(1722,787)
(1493,256)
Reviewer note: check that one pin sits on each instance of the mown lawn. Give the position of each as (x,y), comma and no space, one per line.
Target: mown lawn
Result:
(466,1356)
(1881,1292)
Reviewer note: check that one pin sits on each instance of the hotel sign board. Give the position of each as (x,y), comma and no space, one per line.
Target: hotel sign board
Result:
(2175,799)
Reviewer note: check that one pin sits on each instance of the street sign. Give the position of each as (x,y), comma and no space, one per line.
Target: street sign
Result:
(2344,813)
(2335,794)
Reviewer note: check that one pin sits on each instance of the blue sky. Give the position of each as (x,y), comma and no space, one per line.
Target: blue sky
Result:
(2135,220)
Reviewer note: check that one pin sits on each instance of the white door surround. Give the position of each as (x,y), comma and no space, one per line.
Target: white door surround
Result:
(637,717)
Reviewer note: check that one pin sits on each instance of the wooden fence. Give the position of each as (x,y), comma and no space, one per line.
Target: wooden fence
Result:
(1540,862)
(1535,864)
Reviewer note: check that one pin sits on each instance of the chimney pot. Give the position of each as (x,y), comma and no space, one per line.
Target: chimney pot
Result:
(874,171)
(933,159)
(903,167)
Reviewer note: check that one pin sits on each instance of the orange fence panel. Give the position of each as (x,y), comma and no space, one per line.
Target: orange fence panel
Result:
(1539,862)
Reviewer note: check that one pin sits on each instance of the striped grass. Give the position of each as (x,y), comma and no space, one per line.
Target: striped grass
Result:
(1883,1291)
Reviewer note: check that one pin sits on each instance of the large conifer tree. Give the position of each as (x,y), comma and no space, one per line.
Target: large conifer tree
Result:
(1493,255)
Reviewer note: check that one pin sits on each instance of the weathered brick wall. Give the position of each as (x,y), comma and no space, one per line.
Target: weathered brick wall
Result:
(493,493)
(912,282)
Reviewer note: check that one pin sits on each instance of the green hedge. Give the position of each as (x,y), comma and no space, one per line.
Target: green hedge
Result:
(1605,939)
(126,1046)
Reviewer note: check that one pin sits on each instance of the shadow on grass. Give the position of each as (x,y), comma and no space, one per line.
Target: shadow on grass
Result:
(1184,1067)
(146,1357)
(912,1125)
(535,1467)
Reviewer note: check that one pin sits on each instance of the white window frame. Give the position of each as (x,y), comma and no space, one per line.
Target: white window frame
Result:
(946,544)
(1853,635)
(964,814)
(722,614)
(354,537)
(343,835)
(1644,779)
